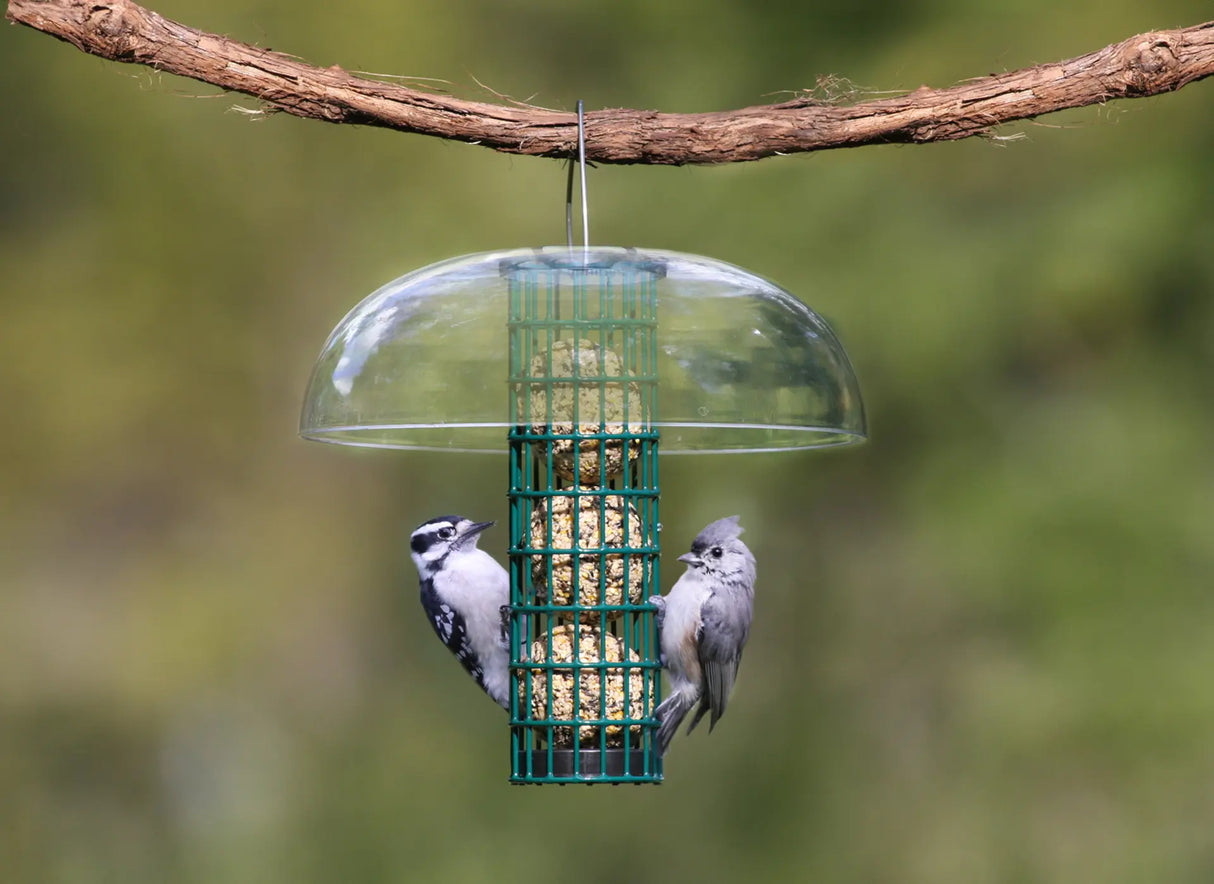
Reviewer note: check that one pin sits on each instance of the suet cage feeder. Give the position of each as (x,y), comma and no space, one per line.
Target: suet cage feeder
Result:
(581,364)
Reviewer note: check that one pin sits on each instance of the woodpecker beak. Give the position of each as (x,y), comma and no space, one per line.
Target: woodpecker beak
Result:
(470,534)
(690,558)
(476,528)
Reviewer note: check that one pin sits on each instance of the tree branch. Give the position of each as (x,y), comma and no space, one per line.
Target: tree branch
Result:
(1148,64)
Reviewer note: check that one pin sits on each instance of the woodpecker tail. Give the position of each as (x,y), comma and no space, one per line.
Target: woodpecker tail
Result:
(670,714)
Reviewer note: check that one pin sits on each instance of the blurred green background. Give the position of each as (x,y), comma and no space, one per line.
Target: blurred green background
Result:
(984,646)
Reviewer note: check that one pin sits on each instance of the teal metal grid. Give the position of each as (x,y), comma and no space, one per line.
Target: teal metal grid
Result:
(584,545)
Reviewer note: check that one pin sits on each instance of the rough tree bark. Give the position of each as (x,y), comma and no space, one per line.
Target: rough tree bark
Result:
(1147,64)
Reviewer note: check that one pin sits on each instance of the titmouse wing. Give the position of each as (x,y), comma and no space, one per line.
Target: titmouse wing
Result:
(723,632)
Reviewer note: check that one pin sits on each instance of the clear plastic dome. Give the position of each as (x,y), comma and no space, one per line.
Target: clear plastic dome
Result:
(741,364)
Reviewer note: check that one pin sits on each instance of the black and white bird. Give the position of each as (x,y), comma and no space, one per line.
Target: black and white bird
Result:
(703,624)
(465,592)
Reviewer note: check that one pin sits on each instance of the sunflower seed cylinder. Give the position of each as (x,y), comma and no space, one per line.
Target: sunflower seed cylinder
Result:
(600,408)
(592,702)
(591,534)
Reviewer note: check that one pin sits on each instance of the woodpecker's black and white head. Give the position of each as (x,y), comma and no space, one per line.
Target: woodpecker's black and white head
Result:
(463,591)
(436,541)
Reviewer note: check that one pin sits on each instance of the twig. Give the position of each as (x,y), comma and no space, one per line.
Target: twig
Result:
(1148,64)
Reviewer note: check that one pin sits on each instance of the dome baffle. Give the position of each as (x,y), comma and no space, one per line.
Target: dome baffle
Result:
(603,352)
(744,365)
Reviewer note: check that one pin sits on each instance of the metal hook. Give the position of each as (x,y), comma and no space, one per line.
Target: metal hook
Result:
(581,160)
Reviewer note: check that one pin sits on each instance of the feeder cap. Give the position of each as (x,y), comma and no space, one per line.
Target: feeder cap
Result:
(742,364)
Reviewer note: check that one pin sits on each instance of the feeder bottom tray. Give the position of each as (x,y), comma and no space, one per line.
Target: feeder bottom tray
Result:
(592,763)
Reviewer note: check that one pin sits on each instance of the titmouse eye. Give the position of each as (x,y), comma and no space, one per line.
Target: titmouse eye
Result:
(715,552)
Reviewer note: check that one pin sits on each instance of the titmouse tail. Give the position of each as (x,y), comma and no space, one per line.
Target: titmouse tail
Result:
(704,706)
(670,713)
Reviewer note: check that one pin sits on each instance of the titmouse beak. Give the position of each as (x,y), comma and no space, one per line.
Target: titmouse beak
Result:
(690,558)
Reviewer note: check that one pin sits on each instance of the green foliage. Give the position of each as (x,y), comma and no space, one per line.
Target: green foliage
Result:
(983,641)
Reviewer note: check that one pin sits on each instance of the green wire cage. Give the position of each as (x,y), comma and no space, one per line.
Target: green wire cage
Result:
(583,518)
(581,364)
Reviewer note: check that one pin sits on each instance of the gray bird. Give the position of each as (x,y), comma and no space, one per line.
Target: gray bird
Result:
(703,623)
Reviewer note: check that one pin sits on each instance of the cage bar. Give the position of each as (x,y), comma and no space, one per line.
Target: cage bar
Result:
(584,545)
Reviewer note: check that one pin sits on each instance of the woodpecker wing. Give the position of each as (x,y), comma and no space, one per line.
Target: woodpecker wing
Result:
(452,631)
